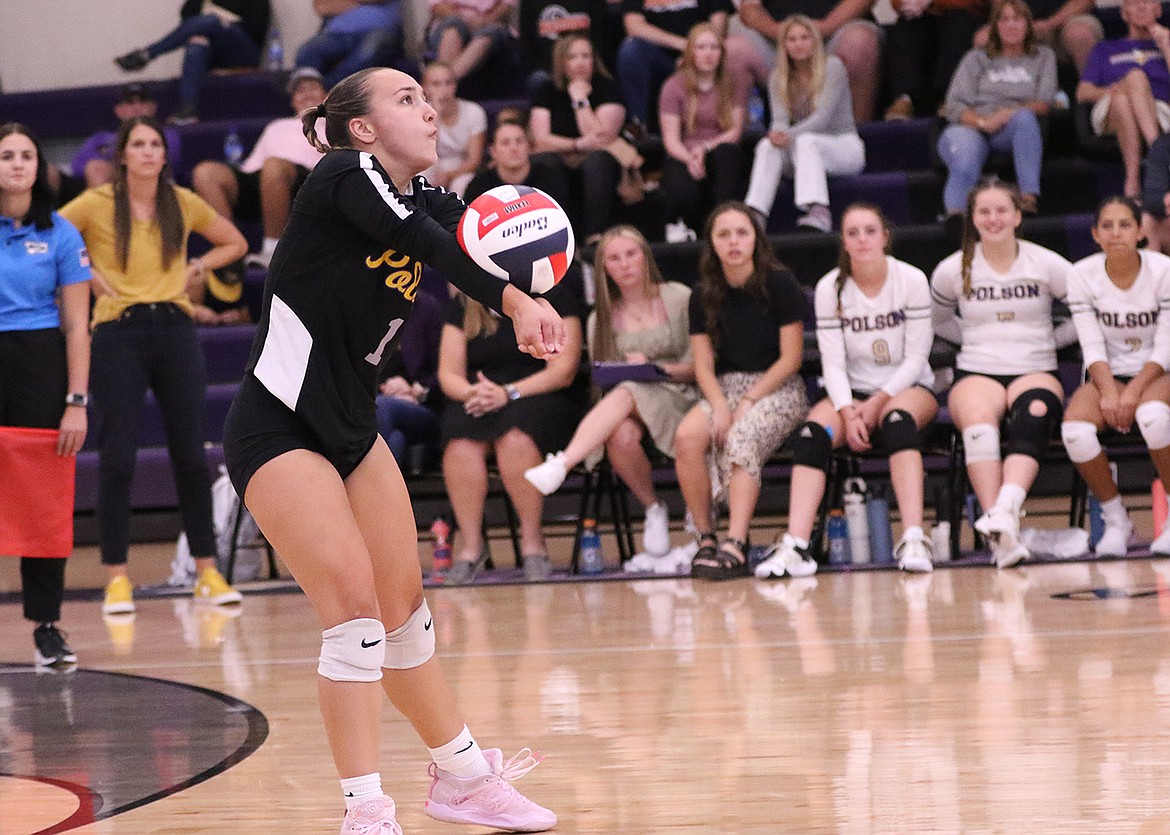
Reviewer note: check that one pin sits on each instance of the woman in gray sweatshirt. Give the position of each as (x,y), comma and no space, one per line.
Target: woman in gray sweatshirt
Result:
(812,133)
(994,103)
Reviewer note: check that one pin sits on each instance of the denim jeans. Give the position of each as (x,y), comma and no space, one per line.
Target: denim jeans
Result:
(403,423)
(641,68)
(965,150)
(340,54)
(227,46)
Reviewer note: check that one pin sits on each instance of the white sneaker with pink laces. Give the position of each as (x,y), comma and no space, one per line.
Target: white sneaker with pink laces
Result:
(489,800)
(374,817)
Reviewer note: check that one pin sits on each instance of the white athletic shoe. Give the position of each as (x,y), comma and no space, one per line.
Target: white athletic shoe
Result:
(550,475)
(1002,528)
(784,557)
(1161,546)
(656,532)
(1114,541)
(915,554)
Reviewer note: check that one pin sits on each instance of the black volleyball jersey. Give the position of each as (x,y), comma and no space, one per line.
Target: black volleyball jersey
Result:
(343,281)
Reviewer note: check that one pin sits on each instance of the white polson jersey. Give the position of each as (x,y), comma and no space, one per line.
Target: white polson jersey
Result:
(883,342)
(1123,328)
(1004,325)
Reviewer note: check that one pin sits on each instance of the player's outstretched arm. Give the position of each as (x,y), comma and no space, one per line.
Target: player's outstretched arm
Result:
(539,329)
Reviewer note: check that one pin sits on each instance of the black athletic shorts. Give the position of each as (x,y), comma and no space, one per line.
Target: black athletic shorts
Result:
(1004,380)
(259,428)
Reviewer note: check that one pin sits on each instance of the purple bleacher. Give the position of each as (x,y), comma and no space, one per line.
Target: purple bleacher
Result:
(80,111)
(226,351)
(204,140)
(899,145)
(1078,230)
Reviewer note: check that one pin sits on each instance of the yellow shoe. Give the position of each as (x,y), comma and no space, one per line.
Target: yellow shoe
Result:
(119,597)
(121,631)
(211,587)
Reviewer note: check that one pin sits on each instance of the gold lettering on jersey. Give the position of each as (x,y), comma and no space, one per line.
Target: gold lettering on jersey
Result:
(388,259)
(405,281)
(1006,315)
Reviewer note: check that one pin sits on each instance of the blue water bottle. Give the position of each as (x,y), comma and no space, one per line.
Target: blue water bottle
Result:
(756,111)
(838,531)
(233,148)
(274,51)
(881,536)
(590,560)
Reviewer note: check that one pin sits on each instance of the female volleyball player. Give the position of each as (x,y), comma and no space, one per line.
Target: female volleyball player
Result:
(303,449)
(994,298)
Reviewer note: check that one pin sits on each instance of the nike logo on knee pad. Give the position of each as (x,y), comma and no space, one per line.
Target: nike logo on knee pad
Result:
(371,644)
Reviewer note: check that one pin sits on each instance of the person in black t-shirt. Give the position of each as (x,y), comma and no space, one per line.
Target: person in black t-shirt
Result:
(512,164)
(302,445)
(747,336)
(576,116)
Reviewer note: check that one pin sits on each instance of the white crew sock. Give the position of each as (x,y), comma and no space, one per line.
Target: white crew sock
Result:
(913,532)
(802,544)
(1011,497)
(1114,510)
(360,789)
(269,246)
(461,756)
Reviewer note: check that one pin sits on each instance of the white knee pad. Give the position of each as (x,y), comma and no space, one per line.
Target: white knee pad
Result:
(413,643)
(981,442)
(1080,440)
(353,651)
(1153,420)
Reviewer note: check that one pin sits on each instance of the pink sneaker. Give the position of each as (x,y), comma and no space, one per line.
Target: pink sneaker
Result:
(374,817)
(489,800)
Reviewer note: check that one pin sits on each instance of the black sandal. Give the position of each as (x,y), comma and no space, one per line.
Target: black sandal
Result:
(726,563)
(705,557)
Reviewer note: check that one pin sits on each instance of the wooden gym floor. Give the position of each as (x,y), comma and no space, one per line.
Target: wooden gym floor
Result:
(970,700)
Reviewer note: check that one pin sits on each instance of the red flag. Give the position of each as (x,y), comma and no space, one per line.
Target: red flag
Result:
(36,494)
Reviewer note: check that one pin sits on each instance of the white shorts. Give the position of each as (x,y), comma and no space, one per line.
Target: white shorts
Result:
(1101,111)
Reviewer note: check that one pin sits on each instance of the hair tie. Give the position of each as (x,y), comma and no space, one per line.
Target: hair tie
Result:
(319,111)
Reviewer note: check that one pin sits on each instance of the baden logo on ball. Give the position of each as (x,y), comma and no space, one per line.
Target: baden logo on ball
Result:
(520,234)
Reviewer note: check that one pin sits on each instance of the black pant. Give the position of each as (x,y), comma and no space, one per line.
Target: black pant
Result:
(922,54)
(594,189)
(151,346)
(33,383)
(693,199)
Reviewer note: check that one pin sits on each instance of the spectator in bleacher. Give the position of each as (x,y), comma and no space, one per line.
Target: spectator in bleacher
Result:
(995,102)
(464,34)
(462,127)
(747,338)
(354,34)
(44,347)
(701,114)
(409,391)
(1120,303)
(1127,82)
(1155,200)
(923,48)
(656,35)
(994,299)
(812,134)
(1068,26)
(512,163)
(639,317)
(136,229)
(265,183)
(846,26)
(505,402)
(544,22)
(226,34)
(94,160)
(576,116)
(874,337)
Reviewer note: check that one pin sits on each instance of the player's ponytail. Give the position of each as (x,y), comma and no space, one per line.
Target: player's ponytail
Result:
(349,99)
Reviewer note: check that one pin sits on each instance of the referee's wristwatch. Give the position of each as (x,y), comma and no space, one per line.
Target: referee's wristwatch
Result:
(77,398)
(512,392)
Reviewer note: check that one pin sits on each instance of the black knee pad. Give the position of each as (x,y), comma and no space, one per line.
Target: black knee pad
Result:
(1028,434)
(900,432)
(812,446)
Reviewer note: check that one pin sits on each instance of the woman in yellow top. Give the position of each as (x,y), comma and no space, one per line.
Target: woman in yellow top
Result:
(136,230)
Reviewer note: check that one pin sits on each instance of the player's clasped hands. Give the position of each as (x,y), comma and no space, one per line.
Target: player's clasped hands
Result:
(539,329)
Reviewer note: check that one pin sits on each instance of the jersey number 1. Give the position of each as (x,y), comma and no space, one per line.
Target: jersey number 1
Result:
(375,357)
